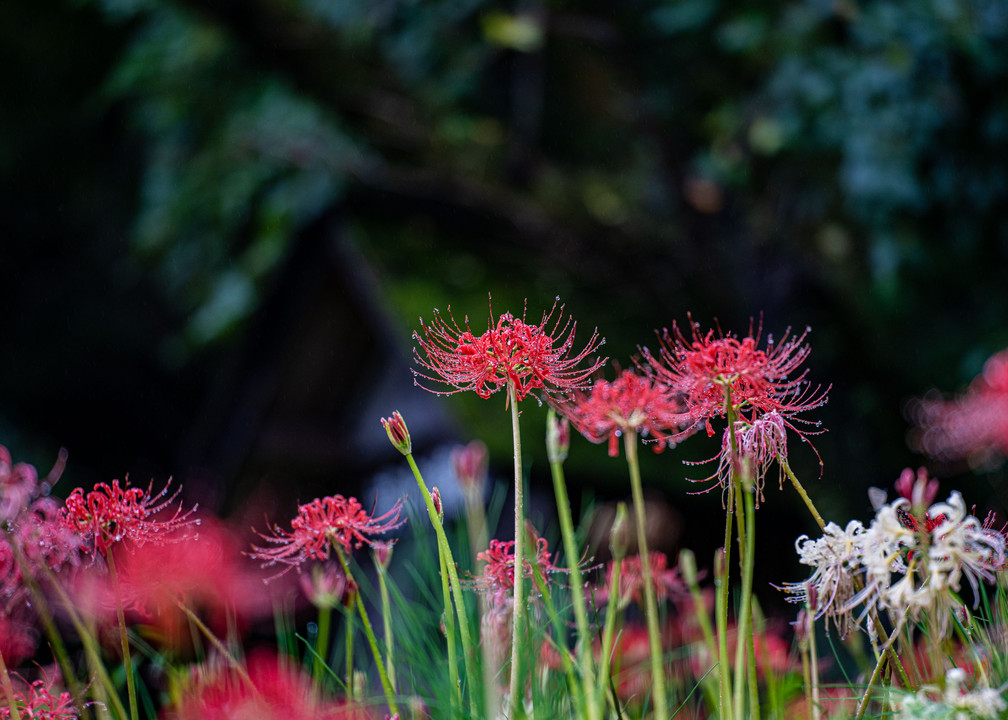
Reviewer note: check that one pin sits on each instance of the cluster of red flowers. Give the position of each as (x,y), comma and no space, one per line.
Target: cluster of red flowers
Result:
(709,369)
(40,699)
(325,523)
(110,514)
(512,350)
(972,426)
(499,571)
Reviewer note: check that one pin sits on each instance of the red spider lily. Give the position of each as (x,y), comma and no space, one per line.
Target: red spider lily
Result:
(628,403)
(41,700)
(277,692)
(707,367)
(499,571)
(531,357)
(322,524)
(972,426)
(111,514)
(667,582)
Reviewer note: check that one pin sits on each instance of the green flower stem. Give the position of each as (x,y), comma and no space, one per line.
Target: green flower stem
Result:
(577,589)
(8,688)
(104,690)
(862,706)
(801,492)
(218,645)
(558,627)
(650,603)
(123,639)
(386,605)
(703,620)
(449,626)
(813,666)
(744,640)
(721,560)
(609,633)
(321,642)
(518,612)
(456,587)
(369,633)
(52,634)
(348,653)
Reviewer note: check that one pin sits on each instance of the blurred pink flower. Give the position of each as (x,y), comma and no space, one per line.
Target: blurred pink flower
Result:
(531,357)
(666,580)
(278,692)
(972,426)
(470,463)
(628,403)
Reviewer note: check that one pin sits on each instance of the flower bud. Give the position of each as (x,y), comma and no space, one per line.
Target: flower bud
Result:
(350,596)
(619,534)
(436,498)
(324,585)
(470,465)
(687,566)
(383,553)
(398,433)
(557,437)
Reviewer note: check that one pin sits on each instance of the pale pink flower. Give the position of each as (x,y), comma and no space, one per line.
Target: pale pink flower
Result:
(972,426)
(666,581)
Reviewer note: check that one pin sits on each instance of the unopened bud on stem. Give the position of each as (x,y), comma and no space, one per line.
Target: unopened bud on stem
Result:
(619,538)
(398,433)
(557,437)
(687,566)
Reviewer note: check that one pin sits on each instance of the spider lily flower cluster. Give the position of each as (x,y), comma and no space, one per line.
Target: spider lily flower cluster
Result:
(512,351)
(910,566)
(554,634)
(760,392)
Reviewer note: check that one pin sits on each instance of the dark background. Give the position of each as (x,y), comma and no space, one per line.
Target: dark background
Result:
(221,221)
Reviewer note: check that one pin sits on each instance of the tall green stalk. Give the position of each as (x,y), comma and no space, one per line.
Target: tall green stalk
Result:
(449,628)
(577,585)
(372,641)
(386,608)
(123,639)
(518,612)
(321,643)
(744,639)
(468,654)
(650,602)
(8,688)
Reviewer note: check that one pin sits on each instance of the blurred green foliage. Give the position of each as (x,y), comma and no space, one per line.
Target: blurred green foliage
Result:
(825,162)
